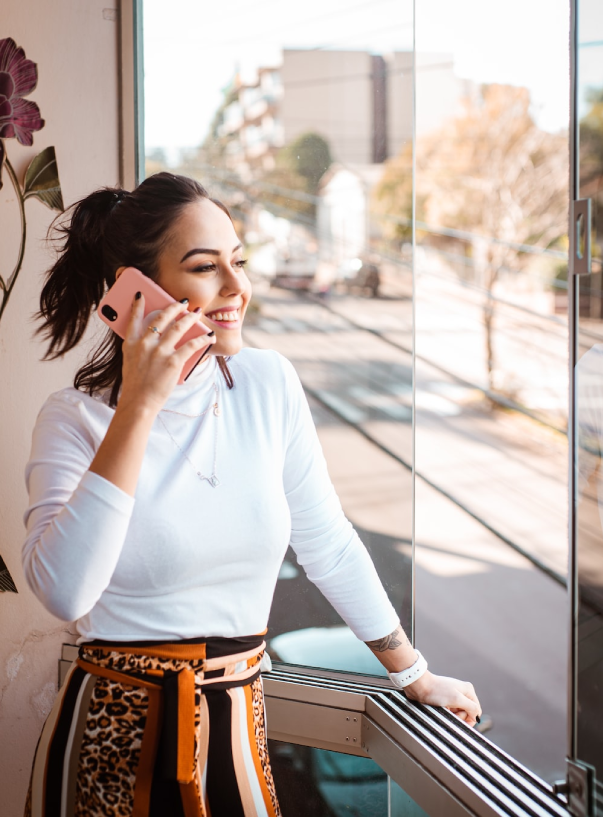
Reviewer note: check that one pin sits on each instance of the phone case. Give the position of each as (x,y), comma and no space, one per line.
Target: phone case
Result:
(116,306)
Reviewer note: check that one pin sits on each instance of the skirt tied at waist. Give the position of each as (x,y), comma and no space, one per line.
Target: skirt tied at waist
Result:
(171,722)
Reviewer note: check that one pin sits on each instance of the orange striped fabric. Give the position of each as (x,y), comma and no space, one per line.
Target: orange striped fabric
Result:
(150,730)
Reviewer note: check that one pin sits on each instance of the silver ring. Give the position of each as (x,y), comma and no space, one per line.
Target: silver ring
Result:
(154,329)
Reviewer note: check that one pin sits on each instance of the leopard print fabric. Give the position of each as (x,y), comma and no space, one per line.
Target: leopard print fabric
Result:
(115,724)
(114,730)
(110,750)
(109,759)
(261,739)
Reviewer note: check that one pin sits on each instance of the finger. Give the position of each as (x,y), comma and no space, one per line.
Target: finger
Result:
(179,327)
(469,690)
(472,709)
(162,318)
(460,713)
(134,326)
(470,694)
(188,349)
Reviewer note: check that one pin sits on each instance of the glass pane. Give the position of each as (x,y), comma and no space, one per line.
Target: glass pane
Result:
(401,805)
(289,114)
(320,783)
(589,393)
(491,361)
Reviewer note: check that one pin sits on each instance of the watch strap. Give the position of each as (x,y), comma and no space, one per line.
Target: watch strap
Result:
(411,674)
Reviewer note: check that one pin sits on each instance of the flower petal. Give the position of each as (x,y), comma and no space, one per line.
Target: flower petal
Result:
(2,155)
(26,118)
(6,109)
(8,51)
(7,85)
(25,75)
(7,131)
(24,72)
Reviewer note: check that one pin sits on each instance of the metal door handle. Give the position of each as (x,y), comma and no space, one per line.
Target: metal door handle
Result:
(580,239)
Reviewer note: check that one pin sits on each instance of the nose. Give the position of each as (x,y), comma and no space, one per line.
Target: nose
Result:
(233,281)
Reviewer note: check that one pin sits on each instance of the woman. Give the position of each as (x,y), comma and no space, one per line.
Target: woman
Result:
(159,517)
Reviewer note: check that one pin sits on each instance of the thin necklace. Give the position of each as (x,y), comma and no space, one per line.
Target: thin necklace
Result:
(215,407)
(213,479)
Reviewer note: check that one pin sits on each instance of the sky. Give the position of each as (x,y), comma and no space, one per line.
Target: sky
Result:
(192,49)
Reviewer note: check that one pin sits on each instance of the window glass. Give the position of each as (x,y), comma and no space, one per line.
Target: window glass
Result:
(588,392)
(331,784)
(300,118)
(289,114)
(492,359)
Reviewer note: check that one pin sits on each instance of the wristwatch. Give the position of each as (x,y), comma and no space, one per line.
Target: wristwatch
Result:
(410,675)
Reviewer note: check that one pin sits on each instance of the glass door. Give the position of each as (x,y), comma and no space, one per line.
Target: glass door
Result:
(586,734)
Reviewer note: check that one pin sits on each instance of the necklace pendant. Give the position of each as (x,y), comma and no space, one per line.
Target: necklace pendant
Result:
(214,481)
(217,411)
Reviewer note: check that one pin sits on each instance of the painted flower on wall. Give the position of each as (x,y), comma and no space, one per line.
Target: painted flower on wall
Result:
(19,117)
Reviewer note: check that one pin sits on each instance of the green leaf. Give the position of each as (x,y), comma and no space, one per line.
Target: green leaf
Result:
(42,180)
(6,580)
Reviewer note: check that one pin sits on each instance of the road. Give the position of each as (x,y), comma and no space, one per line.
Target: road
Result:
(482,611)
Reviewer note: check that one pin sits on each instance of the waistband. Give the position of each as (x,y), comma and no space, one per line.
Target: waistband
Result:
(172,673)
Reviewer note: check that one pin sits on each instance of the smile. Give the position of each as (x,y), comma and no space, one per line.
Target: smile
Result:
(227,316)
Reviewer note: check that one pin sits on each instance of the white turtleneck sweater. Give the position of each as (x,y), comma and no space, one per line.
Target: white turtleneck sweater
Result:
(183,559)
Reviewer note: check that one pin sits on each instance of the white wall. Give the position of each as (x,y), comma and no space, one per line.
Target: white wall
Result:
(76,46)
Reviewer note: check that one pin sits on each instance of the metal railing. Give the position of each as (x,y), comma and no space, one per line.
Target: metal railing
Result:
(448,769)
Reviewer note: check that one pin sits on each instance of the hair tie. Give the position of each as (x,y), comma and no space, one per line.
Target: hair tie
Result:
(119,197)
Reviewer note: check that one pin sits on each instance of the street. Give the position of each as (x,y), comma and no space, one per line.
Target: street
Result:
(483,611)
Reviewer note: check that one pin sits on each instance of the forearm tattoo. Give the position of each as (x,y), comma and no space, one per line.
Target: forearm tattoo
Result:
(390,642)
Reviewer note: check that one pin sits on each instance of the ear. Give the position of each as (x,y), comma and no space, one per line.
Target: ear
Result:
(119,272)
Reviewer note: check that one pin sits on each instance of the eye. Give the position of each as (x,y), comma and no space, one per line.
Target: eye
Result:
(205,268)
(241,264)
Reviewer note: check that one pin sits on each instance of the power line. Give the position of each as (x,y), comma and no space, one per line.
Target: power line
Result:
(408,24)
(347,10)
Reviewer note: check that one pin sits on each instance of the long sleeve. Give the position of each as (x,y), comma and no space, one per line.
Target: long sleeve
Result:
(76,521)
(326,545)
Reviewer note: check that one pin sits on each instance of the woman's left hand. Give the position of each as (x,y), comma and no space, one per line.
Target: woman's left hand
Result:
(438,690)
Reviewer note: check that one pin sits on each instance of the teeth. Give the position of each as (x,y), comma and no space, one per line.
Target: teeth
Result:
(226,316)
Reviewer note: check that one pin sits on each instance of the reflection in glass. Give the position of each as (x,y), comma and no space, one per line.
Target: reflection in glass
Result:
(289,113)
(589,393)
(300,118)
(321,783)
(327,784)
(491,360)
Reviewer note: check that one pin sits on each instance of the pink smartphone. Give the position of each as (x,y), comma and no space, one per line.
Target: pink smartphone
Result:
(115,308)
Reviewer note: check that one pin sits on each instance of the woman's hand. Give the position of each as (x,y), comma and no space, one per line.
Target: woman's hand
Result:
(396,654)
(151,363)
(151,369)
(438,690)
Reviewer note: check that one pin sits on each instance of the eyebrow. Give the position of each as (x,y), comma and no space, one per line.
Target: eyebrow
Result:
(201,251)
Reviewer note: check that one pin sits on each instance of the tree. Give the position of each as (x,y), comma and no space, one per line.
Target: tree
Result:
(291,186)
(591,173)
(310,156)
(490,171)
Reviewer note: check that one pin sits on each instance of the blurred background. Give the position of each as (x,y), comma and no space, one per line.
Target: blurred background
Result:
(408,251)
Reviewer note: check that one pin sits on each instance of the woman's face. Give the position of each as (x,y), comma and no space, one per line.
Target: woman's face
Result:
(203,261)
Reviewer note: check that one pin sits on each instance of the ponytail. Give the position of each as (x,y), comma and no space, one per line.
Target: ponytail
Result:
(76,282)
(109,229)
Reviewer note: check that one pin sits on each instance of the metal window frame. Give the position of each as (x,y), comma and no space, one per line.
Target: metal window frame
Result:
(131,94)
(444,766)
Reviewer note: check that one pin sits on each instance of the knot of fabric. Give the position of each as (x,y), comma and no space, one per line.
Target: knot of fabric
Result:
(169,733)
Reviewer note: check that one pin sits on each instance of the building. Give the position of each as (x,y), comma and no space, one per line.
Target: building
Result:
(360,102)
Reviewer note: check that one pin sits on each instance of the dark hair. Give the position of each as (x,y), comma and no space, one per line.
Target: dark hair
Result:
(109,229)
